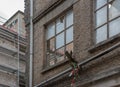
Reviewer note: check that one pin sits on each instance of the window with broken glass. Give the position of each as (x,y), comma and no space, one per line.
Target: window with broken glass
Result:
(59,38)
(107,15)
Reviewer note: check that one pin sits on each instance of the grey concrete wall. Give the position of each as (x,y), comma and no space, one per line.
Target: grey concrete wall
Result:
(8,79)
(21,22)
(9,62)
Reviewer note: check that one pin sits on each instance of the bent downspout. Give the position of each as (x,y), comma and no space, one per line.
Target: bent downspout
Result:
(31,44)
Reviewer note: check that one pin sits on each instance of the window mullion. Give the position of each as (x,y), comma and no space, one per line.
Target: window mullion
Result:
(55,43)
(94,15)
(107,19)
(65,36)
(59,39)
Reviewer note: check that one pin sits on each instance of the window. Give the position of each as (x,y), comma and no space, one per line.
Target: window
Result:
(107,15)
(11,25)
(22,48)
(16,21)
(59,38)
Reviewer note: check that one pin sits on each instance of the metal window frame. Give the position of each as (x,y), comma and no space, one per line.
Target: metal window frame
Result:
(106,23)
(56,34)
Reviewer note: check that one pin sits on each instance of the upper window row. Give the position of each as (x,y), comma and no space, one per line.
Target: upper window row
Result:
(107,14)
(59,33)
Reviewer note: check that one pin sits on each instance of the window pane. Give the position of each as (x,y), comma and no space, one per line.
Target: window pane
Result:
(114,9)
(60,24)
(101,34)
(69,35)
(51,44)
(50,58)
(100,3)
(69,47)
(60,54)
(60,40)
(50,31)
(101,16)
(114,27)
(69,19)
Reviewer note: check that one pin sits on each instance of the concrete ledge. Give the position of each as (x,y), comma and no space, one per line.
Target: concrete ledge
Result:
(54,66)
(101,75)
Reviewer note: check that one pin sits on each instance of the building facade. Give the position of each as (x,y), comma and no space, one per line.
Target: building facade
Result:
(12,57)
(17,20)
(88,28)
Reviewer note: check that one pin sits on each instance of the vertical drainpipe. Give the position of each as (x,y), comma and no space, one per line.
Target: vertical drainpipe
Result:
(31,44)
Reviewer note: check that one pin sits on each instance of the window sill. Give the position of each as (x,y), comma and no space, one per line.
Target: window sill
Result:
(53,67)
(101,45)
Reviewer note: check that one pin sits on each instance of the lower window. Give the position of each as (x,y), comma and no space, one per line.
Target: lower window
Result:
(59,38)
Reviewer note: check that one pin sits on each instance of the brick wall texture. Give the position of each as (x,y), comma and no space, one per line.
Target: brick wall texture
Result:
(98,73)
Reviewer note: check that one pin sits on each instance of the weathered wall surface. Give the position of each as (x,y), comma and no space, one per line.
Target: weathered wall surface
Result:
(39,49)
(9,60)
(8,79)
(40,5)
(94,74)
